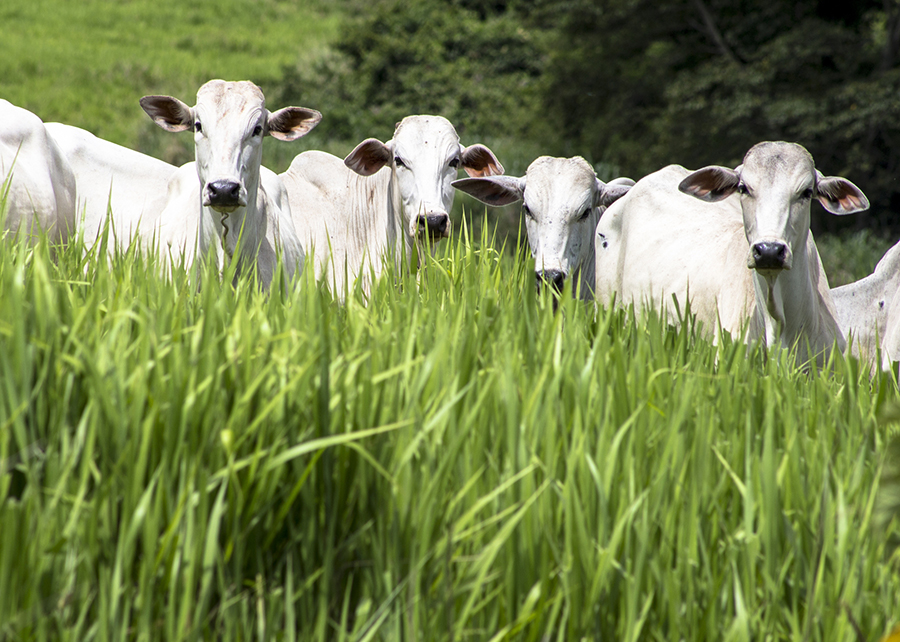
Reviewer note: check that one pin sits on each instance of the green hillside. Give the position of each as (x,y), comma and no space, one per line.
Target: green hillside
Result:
(87,63)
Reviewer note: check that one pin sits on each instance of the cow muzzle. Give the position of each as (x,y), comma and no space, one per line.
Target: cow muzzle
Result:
(769,255)
(223,196)
(554,279)
(435,225)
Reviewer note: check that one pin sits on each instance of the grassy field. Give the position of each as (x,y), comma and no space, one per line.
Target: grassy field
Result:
(451,462)
(87,63)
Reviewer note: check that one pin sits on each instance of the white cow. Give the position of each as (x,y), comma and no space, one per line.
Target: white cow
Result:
(382,199)
(115,180)
(226,201)
(37,185)
(868,311)
(563,201)
(660,241)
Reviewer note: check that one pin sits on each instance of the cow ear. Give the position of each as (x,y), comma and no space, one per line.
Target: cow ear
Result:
(169,113)
(840,196)
(291,123)
(368,157)
(479,161)
(493,190)
(608,193)
(711,183)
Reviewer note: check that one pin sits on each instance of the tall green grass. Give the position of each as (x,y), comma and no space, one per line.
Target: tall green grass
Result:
(449,461)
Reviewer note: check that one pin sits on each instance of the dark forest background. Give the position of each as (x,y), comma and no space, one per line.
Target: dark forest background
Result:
(631,85)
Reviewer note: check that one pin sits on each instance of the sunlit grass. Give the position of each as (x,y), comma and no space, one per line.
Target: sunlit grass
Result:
(448,460)
(87,63)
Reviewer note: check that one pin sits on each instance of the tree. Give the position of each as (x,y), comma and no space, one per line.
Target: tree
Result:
(642,84)
(470,62)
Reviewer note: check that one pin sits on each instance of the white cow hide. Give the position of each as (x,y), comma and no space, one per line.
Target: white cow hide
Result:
(868,311)
(115,184)
(38,185)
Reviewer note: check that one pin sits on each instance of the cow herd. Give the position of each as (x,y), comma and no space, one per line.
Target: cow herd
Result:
(733,244)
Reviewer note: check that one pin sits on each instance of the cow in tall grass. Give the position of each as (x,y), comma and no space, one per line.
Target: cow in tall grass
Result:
(734,242)
(563,201)
(383,200)
(225,201)
(38,186)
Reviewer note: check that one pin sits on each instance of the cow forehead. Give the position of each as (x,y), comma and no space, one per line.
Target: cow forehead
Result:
(224,97)
(428,133)
(559,181)
(778,161)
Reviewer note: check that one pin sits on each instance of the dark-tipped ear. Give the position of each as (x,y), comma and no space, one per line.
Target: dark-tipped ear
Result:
(608,193)
(169,113)
(291,123)
(493,190)
(711,183)
(478,161)
(368,157)
(840,196)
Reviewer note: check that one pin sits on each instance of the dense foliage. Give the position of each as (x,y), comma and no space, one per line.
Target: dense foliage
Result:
(476,66)
(699,82)
(636,85)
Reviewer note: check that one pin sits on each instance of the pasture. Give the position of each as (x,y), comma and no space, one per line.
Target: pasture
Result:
(87,63)
(450,460)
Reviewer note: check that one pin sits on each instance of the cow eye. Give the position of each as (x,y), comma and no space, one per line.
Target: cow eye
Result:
(399,162)
(807,194)
(585,214)
(454,163)
(198,127)
(257,130)
(527,212)
(742,189)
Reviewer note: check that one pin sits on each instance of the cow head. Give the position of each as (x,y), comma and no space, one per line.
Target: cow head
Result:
(229,122)
(776,184)
(425,156)
(562,204)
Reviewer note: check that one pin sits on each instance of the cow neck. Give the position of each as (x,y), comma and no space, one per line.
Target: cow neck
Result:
(399,240)
(375,222)
(245,225)
(792,305)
